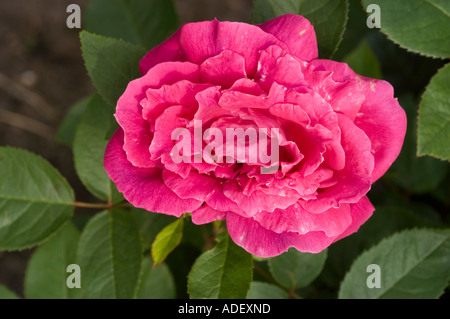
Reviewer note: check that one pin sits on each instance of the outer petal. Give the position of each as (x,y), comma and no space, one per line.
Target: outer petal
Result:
(199,41)
(142,187)
(206,214)
(296,32)
(380,116)
(296,219)
(259,241)
(384,122)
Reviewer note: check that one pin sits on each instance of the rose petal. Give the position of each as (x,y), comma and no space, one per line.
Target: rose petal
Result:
(129,111)
(142,187)
(295,31)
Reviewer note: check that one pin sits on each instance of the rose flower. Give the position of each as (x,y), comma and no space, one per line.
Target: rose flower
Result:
(328,132)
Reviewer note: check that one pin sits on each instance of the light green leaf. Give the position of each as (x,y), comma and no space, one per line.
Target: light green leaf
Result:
(167,240)
(66,130)
(363,61)
(329,18)
(109,255)
(434,117)
(263,290)
(414,264)
(46,274)
(145,23)
(417,175)
(155,283)
(5,293)
(150,224)
(35,200)
(225,272)
(294,269)
(89,148)
(111,64)
(421,26)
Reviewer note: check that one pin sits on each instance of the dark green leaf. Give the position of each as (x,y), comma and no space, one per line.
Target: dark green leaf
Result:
(5,293)
(434,117)
(109,255)
(155,283)
(421,26)
(363,61)
(413,264)
(111,64)
(144,23)
(263,290)
(66,131)
(418,175)
(47,274)
(89,148)
(294,269)
(35,200)
(225,272)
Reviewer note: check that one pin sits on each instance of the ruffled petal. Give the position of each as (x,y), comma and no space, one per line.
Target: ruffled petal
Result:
(143,187)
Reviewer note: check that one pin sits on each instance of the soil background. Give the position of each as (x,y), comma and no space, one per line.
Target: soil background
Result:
(42,75)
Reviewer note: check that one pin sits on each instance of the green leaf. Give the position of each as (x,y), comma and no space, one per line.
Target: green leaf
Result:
(417,175)
(46,274)
(35,200)
(144,23)
(263,290)
(385,221)
(167,240)
(414,264)
(89,148)
(294,269)
(421,26)
(328,17)
(150,224)
(111,64)
(5,293)
(434,117)
(66,130)
(155,283)
(363,61)
(109,255)
(225,272)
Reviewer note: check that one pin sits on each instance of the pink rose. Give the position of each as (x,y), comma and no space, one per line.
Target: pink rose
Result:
(338,132)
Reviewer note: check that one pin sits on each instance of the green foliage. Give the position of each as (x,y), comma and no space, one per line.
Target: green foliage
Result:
(110,256)
(414,264)
(111,63)
(263,290)
(47,280)
(434,117)
(422,26)
(328,17)
(363,61)
(155,283)
(89,148)
(35,200)
(294,269)
(5,293)
(167,240)
(145,23)
(224,272)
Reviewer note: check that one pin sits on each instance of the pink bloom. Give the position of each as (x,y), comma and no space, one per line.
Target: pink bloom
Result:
(338,133)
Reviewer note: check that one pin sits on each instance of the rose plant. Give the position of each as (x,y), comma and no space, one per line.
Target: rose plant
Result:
(236,159)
